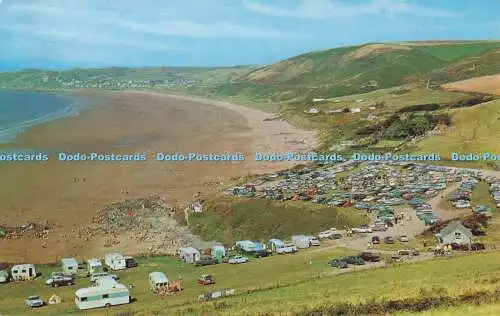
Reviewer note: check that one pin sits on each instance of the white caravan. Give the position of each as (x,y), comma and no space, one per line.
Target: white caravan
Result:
(102,296)
(115,261)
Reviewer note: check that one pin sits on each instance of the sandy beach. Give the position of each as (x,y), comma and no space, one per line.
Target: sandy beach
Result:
(66,195)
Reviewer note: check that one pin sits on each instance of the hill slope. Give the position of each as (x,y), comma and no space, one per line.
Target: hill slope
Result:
(485,84)
(357,69)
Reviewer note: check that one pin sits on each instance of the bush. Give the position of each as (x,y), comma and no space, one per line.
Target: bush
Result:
(403,126)
(474,100)
(420,107)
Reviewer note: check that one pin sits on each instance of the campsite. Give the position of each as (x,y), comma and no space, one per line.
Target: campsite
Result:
(402,204)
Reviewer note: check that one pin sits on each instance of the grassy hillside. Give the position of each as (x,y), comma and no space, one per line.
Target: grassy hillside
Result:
(473,129)
(422,282)
(228,219)
(357,69)
(144,77)
(303,281)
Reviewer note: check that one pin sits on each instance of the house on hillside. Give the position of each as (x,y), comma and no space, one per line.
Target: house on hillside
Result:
(355,110)
(456,233)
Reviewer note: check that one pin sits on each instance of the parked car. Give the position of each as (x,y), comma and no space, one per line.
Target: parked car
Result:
(370,257)
(477,246)
(396,257)
(205,262)
(388,240)
(340,264)
(408,252)
(96,276)
(375,240)
(362,229)
(262,253)
(58,280)
(287,248)
(459,247)
(238,260)
(326,234)
(34,301)
(206,279)
(335,236)
(314,241)
(403,238)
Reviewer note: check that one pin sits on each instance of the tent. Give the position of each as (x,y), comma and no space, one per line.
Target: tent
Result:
(54,299)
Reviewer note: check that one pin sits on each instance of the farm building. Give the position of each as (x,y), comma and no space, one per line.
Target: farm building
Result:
(456,233)
(190,255)
(246,245)
(69,265)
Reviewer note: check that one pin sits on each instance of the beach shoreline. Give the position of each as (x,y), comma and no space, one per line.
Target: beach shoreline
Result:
(148,122)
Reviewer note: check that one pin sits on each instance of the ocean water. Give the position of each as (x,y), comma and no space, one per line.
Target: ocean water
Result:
(21,109)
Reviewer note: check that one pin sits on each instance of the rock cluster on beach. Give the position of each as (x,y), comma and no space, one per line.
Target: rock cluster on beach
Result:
(29,230)
(145,221)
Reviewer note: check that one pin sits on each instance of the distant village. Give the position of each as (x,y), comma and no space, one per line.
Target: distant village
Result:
(109,82)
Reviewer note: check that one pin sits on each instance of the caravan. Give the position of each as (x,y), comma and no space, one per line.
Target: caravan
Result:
(190,255)
(157,281)
(69,265)
(115,261)
(23,272)
(94,266)
(301,241)
(106,295)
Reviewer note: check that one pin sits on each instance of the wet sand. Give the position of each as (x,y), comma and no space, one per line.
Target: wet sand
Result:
(68,194)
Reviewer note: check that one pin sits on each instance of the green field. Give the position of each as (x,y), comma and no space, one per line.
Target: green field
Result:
(474,130)
(229,219)
(257,274)
(304,281)
(454,52)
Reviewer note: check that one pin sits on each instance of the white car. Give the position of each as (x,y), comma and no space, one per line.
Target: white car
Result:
(403,238)
(362,230)
(96,276)
(34,301)
(288,248)
(314,241)
(238,260)
(326,234)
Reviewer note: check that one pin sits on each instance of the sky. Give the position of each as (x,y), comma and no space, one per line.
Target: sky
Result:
(137,33)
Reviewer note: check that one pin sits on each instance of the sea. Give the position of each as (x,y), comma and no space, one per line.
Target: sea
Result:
(21,109)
